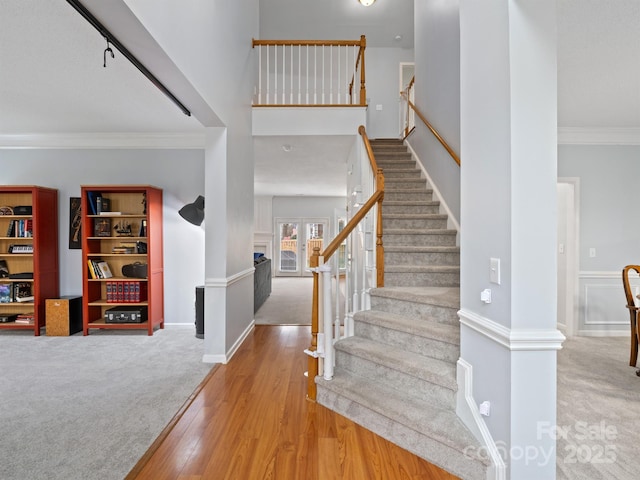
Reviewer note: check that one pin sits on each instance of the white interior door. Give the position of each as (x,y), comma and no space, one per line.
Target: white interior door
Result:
(567,255)
(296,239)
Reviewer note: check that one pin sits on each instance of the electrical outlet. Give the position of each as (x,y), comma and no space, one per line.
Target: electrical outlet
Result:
(592,252)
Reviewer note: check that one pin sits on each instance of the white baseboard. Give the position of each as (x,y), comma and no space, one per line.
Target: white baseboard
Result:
(234,348)
(467,410)
(604,333)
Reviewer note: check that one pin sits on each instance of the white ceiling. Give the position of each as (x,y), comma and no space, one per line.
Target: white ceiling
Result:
(52,79)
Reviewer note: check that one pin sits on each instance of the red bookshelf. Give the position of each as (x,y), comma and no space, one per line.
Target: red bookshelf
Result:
(134,218)
(28,244)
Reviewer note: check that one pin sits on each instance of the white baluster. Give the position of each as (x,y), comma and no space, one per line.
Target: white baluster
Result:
(329,354)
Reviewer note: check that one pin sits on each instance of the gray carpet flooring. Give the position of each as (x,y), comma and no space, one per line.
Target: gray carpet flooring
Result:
(288,304)
(89,407)
(598,410)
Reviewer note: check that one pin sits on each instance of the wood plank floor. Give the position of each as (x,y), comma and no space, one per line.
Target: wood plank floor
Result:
(250,420)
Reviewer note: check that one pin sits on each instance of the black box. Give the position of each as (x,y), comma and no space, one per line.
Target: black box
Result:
(125,315)
(63,316)
(23,210)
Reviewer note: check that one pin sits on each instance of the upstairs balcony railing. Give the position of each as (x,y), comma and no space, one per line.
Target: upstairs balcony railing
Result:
(310,73)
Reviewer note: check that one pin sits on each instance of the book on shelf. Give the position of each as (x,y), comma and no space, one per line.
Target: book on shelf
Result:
(126,291)
(4,269)
(103,205)
(5,293)
(22,292)
(105,271)
(110,214)
(95,270)
(25,318)
(22,228)
(92,201)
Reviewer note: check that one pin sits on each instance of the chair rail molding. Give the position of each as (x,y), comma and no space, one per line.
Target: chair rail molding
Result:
(514,340)
(598,136)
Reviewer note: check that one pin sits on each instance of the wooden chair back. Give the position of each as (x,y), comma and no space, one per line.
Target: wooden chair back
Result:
(633,312)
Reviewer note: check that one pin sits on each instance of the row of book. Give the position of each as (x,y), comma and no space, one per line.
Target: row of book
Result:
(20,228)
(126,291)
(16,292)
(25,318)
(99,269)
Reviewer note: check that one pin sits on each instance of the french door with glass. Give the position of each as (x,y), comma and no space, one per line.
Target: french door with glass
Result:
(297,238)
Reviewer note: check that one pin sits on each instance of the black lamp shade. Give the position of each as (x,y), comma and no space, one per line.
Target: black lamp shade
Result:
(193,212)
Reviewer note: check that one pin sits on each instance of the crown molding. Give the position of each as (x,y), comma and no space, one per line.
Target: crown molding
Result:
(598,136)
(104,140)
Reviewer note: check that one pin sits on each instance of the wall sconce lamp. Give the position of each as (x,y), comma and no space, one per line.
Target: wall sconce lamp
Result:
(193,212)
(367,3)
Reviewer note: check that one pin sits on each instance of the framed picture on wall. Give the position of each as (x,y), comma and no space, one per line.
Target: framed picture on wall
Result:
(75,223)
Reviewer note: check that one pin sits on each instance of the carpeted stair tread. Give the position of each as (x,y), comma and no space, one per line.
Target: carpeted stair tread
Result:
(421,249)
(433,330)
(410,216)
(414,231)
(439,296)
(427,203)
(422,268)
(432,370)
(443,426)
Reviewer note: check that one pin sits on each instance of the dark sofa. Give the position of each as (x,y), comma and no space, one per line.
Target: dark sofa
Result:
(261,280)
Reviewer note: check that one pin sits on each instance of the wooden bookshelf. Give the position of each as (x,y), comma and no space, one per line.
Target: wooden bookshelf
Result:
(130,232)
(28,244)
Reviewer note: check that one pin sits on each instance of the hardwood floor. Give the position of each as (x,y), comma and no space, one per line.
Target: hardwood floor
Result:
(250,420)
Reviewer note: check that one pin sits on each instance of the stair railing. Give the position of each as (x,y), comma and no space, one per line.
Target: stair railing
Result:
(364,270)
(407,97)
(310,72)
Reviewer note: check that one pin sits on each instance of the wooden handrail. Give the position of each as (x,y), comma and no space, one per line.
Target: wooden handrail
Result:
(352,224)
(442,141)
(372,159)
(317,43)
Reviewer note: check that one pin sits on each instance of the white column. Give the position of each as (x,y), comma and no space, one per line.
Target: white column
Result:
(508,212)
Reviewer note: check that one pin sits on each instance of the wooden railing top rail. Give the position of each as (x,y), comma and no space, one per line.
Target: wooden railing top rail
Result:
(442,141)
(335,43)
(372,159)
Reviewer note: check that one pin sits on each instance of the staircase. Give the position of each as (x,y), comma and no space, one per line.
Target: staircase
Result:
(397,375)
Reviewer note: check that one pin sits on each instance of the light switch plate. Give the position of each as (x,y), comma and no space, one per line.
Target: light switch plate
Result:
(494,273)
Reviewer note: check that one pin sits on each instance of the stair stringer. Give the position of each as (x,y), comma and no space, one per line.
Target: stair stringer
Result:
(468,412)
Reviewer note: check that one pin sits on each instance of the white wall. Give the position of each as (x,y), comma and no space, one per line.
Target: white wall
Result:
(383,88)
(608,206)
(437,94)
(211,44)
(177,172)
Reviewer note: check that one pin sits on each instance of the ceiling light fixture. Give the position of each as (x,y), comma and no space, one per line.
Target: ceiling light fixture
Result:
(367,3)
(81,9)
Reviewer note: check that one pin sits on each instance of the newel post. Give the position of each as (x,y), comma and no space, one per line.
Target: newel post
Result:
(379,243)
(363,89)
(312,369)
